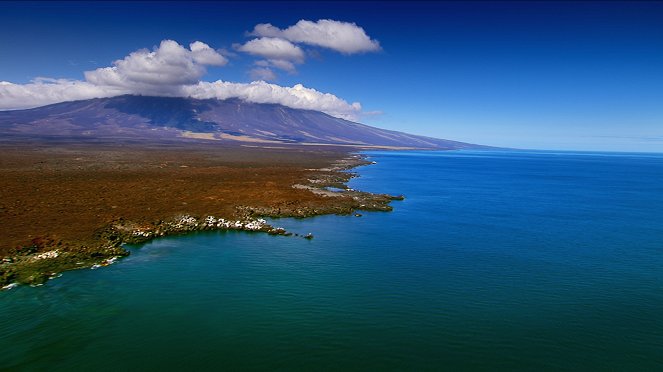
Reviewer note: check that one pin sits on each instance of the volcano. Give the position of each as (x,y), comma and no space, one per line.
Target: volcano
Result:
(188,119)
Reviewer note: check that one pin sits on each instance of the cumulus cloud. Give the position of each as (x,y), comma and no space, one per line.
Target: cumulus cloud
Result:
(344,37)
(42,92)
(283,65)
(162,70)
(278,63)
(262,73)
(279,53)
(203,54)
(296,96)
(280,50)
(172,70)
(273,48)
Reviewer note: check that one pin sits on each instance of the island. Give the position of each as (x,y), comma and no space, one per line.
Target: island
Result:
(68,204)
(80,179)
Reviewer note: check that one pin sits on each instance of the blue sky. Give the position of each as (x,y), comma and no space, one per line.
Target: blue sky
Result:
(547,75)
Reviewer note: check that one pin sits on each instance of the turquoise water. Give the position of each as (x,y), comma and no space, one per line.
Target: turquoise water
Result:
(495,260)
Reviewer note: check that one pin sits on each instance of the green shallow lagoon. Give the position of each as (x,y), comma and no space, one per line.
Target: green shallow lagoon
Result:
(495,260)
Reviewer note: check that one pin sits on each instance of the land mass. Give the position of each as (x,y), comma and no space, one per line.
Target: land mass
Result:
(67,205)
(222,121)
(80,179)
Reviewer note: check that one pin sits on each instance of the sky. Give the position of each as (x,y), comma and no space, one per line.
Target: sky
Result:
(536,75)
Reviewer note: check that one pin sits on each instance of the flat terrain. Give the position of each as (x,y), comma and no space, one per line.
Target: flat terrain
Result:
(67,191)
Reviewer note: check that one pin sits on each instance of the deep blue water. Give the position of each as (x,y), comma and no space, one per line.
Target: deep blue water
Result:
(495,260)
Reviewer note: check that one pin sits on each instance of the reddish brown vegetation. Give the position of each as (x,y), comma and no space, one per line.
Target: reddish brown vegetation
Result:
(64,192)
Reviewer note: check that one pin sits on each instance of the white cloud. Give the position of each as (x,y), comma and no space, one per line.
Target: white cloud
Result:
(203,54)
(171,70)
(273,48)
(161,71)
(278,63)
(283,65)
(280,51)
(42,92)
(266,29)
(297,96)
(262,73)
(344,37)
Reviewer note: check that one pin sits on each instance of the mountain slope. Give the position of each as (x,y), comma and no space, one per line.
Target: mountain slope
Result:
(225,120)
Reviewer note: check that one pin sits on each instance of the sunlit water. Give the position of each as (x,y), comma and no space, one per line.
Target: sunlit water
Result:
(511,260)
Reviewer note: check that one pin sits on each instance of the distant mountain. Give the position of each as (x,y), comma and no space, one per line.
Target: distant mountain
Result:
(155,118)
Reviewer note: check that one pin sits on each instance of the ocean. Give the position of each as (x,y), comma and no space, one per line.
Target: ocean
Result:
(517,260)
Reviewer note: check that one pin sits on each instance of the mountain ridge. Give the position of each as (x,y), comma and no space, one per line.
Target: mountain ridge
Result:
(230,120)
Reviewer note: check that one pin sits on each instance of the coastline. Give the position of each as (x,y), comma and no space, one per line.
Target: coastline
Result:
(46,258)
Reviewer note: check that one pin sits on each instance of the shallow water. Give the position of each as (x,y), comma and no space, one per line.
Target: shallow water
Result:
(518,260)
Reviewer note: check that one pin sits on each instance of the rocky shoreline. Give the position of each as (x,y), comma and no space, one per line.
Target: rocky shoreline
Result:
(46,258)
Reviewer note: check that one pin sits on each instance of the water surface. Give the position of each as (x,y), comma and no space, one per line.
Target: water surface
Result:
(512,260)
